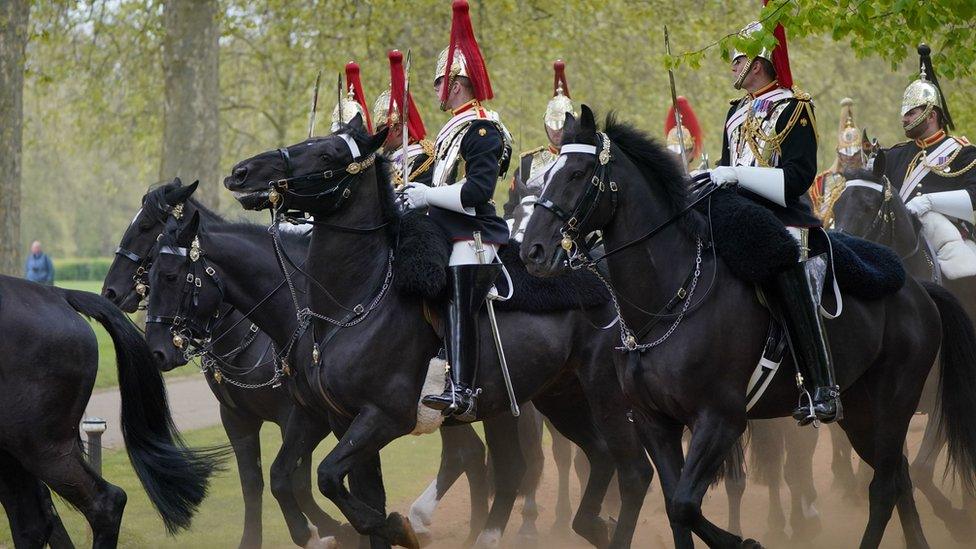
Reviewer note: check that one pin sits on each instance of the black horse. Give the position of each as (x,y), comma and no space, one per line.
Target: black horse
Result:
(51,358)
(623,183)
(376,354)
(872,208)
(238,363)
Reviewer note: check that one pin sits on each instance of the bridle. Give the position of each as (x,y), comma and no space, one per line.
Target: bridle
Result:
(184,325)
(582,213)
(143,264)
(337,182)
(586,205)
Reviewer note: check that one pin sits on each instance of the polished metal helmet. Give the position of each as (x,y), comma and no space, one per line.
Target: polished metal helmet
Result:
(458,68)
(924,92)
(849,138)
(560,105)
(381,107)
(345,110)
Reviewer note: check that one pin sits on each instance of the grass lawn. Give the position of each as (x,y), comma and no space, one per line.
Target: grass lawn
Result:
(409,464)
(108,375)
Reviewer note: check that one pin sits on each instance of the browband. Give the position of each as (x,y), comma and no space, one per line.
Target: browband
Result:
(353,147)
(173,250)
(863,183)
(578,148)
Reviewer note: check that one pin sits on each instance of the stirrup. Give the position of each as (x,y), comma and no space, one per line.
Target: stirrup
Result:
(804,413)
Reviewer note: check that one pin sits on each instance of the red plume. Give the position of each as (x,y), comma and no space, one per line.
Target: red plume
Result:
(689,121)
(559,68)
(462,37)
(353,83)
(415,125)
(781,56)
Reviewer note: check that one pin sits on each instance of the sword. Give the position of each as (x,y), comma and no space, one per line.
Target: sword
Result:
(674,102)
(404,127)
(479,249)
(315,105)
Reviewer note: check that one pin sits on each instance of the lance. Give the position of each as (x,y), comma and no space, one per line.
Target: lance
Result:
(404,123)
(480,251)
(339,95)
(674,102)
(315,105)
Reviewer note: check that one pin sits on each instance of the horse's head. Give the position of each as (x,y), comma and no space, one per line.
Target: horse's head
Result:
(312,176)
(126,284)
(186,297)
(575,201)
(867,202)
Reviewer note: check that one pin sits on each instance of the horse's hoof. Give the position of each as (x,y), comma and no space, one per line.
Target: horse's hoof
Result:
(425,538)
(401,532)
(528,535)
(489,539)
(807,529)
(595,530)
(750,544)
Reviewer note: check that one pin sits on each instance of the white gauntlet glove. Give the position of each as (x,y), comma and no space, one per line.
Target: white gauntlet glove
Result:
(920,205)
(724,176)
(415,196)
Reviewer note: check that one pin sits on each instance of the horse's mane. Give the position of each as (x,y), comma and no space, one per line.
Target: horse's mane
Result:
(205,211)
(658,167)
(860,173)
(156,195)
(389,212)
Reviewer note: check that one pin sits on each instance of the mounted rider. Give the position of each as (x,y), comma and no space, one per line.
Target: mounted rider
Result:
(770,152)
(386,110)
(933,171)
(690,132)
(852,154)
(351,101)
(529,179)
(471,152)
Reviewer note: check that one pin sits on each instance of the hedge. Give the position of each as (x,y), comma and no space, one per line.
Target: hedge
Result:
(81,268)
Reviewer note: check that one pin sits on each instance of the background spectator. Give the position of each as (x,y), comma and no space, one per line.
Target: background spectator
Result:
(39,267)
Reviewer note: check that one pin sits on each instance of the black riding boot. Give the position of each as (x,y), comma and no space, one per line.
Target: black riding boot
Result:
(801,314)
(469,285)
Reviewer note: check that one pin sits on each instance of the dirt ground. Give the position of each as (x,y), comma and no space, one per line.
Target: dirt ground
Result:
(842,521)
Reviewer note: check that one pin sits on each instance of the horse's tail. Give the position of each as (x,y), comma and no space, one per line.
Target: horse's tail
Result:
(957,384)
(174,477)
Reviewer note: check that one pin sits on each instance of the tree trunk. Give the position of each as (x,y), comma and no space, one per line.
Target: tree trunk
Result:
(191,116)
(13,46)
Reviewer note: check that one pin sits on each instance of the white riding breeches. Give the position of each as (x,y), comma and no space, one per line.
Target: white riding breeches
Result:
(463,253)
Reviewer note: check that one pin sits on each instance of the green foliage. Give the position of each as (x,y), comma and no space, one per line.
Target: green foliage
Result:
(82,268)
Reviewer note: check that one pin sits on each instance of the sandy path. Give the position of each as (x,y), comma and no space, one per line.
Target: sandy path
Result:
(191,402)
(843,522)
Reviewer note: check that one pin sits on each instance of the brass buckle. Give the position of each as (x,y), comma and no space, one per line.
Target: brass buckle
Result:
(354,168)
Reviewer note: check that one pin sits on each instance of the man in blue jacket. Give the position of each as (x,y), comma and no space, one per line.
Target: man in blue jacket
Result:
(39,267)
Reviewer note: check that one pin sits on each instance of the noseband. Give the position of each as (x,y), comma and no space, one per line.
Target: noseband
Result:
(337,182)
(184,324)
(587,204)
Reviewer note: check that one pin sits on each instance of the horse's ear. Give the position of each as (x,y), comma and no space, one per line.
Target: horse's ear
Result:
(377,139)
(189,230)
(570,125)
(177,181)
(879,165)
(180,194)
(587,120)
(357,122)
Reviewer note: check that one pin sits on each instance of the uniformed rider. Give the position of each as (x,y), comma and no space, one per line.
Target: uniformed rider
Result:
(386,110)
(852,154)
(770,153)
(471,152)
(933,170)
(528,181)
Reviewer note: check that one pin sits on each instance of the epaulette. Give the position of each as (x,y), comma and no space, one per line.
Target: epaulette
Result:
(428,147)
(900,144)
(801,95)
(961,139)
(531,152)
(737,100)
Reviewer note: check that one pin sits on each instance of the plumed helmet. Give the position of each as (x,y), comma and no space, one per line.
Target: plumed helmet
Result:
(353,102)
(462,57)
(387,107)
(561,104)
(690,130)
(925,91)
(849,136)
(779,56)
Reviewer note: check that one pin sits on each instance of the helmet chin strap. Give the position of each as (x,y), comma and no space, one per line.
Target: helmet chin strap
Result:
(920,118)
(742,75)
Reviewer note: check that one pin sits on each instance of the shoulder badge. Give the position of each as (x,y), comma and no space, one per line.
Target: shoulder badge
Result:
(531,152)
(801,95)
(482,132)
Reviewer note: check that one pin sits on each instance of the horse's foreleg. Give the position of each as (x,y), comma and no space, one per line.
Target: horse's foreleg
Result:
(300,435)
(244,434)
(798,472)
(735,487)
(662,438)
(562,454)
(359,445)
(715,433)
(501,433)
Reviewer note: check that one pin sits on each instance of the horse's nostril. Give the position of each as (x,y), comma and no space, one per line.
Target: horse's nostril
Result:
(159,357)
(536,253)
(109,294)
(240,173)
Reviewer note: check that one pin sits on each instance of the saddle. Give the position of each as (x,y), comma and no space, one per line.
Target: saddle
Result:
(754,244)
(420,265)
